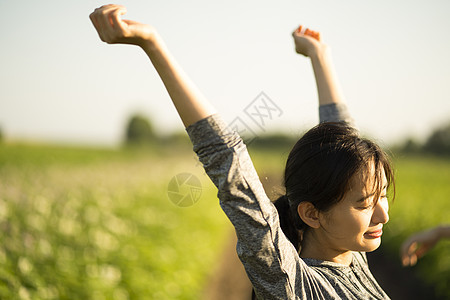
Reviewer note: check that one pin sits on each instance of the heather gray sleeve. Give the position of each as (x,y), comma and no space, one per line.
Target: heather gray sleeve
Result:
(270,260)
(335,112)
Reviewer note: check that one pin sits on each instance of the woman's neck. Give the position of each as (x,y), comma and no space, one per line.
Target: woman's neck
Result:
(315,247)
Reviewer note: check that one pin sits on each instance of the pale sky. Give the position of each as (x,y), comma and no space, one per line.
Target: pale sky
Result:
(60,83)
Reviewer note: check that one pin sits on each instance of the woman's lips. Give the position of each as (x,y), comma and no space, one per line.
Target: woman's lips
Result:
(374,234)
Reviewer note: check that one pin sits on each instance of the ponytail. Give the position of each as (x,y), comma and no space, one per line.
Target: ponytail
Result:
(287,221)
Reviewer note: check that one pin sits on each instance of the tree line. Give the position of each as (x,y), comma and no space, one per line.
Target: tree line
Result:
(437,143)
(140,131)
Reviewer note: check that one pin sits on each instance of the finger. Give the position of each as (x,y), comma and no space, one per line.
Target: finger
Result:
(97,25)
(413,260)
(115,17)
(404,248)
(98,19)
(313,34)
(298,31)
(94,17)
(316,35)
(94,21)
(129,22)
(102,15)
(404,259)
(412,248)
(104,18)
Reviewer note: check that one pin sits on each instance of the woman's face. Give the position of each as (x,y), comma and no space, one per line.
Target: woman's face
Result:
(356,222)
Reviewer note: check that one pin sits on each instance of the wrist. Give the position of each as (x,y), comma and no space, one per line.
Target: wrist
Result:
(151,42)
(443,231)
(320,54)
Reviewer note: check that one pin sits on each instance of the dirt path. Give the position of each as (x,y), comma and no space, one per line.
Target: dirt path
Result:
(229,282)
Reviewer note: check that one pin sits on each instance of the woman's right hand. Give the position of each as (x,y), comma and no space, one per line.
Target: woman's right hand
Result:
(308,42)
(113,30)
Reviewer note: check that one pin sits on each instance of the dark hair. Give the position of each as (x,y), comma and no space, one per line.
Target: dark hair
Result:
(319,169)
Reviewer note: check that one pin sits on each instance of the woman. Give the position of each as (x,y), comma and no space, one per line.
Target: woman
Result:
(336,182)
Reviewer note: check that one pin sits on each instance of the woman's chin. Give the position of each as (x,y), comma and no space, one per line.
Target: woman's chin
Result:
(372,245)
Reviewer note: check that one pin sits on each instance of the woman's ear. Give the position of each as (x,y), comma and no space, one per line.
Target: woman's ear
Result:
(309,214)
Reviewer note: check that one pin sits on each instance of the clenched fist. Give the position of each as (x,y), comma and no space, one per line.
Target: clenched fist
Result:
(113,30)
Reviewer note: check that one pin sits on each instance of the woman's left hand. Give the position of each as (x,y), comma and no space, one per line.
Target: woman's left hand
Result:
(418,245)
(308,42)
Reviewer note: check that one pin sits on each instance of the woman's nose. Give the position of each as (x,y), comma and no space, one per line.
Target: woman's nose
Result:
(380,214)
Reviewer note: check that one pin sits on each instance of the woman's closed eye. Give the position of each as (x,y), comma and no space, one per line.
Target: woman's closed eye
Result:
(365,203)
(366,206)
(369,203)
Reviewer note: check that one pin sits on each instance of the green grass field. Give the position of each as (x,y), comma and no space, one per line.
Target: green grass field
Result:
(80,223)
(422,201)
(98,224)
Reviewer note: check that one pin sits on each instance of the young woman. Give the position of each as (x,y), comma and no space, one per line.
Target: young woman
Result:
(335,181)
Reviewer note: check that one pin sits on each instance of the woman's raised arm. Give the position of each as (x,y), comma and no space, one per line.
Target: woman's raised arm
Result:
(309,44)
(191,105)
(332,107)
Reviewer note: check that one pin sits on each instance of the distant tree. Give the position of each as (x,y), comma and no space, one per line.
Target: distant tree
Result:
(1,135)
(139,131)
(411,146)
(274,140)
(178,137)
(439,141)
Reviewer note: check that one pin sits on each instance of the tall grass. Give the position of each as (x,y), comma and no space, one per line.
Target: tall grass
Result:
(82,223)
(97,224)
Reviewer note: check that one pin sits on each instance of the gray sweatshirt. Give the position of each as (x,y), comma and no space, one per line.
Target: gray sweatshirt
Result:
(270,260)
